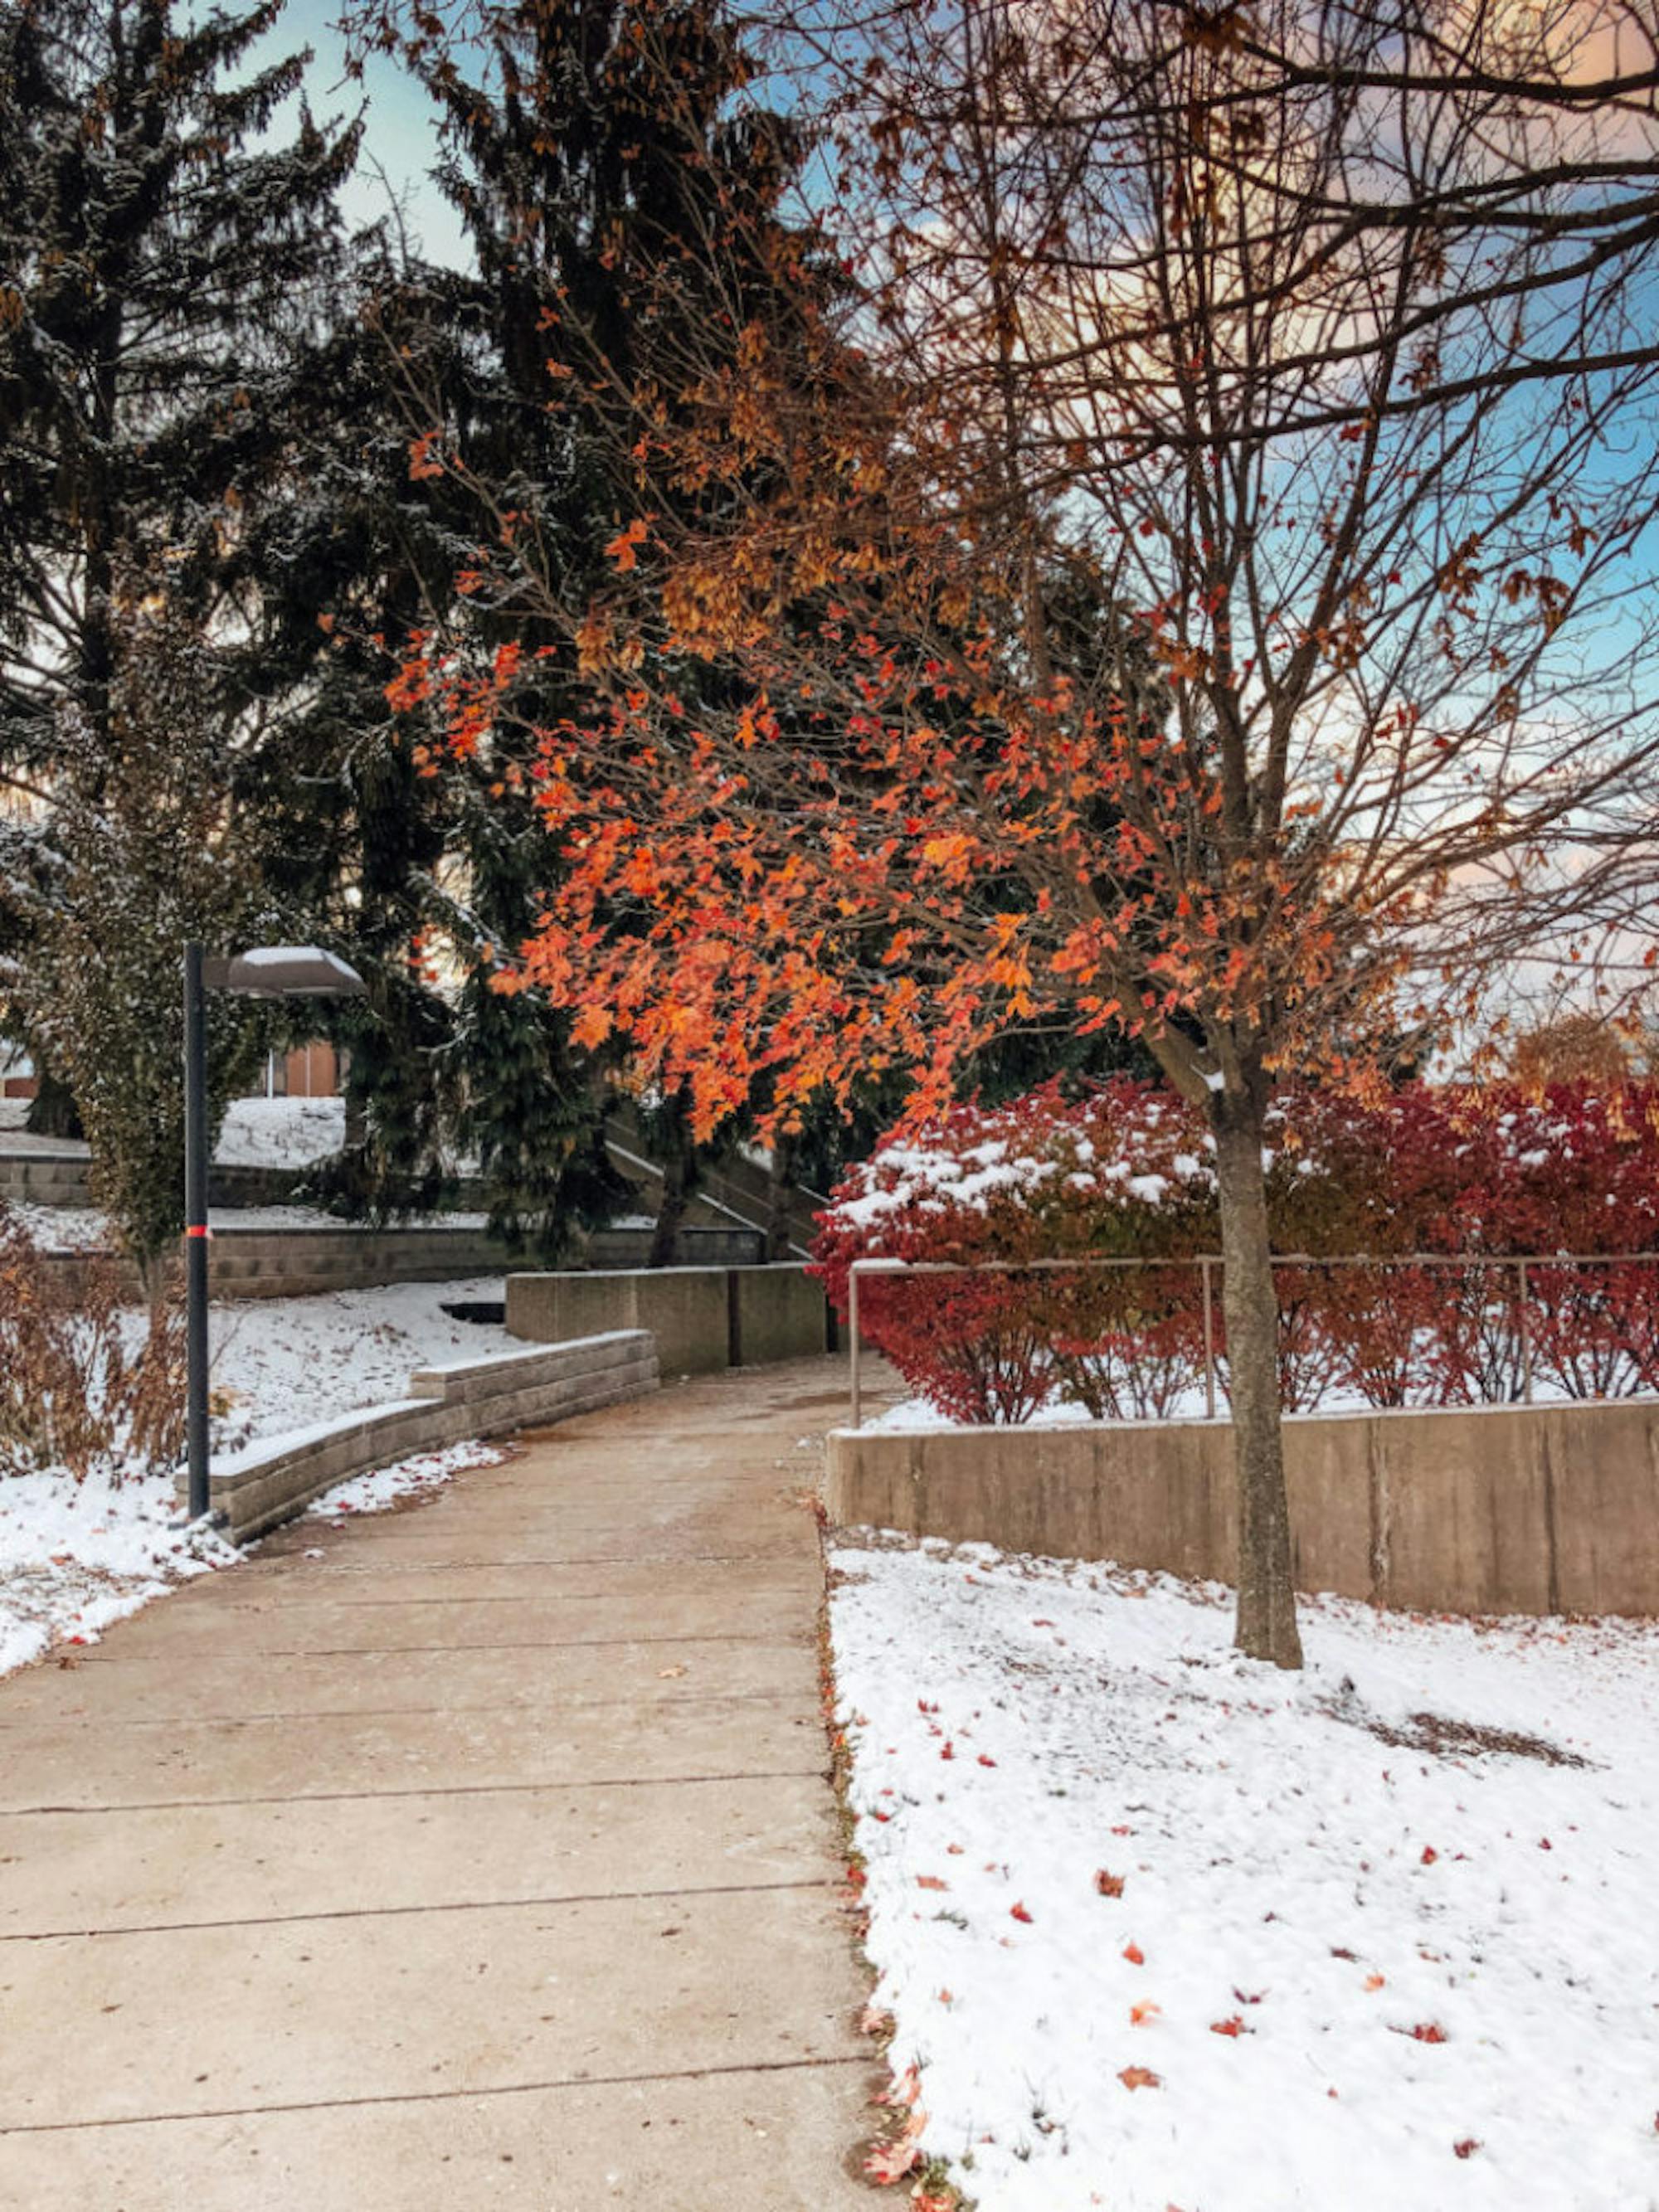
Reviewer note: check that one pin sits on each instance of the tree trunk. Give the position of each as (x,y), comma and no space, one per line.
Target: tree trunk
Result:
(52,1111)
(671,1207)
(1266,1600)
(779,1190)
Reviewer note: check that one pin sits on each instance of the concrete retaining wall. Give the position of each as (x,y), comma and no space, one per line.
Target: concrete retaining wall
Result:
(618,1249)
(258,1488)
(702,1318)
(1512,1509)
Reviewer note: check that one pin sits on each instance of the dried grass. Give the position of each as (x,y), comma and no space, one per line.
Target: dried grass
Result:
(83,1386)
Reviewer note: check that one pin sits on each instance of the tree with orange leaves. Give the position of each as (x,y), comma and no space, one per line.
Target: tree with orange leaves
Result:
(1105,610)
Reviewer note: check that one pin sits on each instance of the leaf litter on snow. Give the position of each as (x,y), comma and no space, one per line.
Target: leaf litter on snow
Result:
(1358,1938)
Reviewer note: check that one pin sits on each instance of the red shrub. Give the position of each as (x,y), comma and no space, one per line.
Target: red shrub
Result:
(1125,1172)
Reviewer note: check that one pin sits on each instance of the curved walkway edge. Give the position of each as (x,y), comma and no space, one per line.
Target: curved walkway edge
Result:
(478,1855)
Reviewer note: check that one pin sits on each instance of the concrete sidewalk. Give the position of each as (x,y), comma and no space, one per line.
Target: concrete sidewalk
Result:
(478,1855)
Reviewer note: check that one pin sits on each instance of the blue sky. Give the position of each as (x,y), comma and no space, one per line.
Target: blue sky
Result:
(400,144)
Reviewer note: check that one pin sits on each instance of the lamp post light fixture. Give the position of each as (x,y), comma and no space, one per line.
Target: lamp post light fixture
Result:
(269,971)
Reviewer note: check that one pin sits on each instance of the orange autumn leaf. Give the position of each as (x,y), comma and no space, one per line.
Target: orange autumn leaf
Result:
(1108,1885)
(1141,2013)
(931,1881)
(1134,1954)
(623,549)
(1019,1912)
(1139,2077)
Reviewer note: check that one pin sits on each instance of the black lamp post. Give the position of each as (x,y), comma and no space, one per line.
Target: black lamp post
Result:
(274,971)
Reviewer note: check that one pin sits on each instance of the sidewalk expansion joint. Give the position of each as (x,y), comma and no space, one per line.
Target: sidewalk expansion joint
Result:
(368,1796)
(405,1712)
(555,2083)
(799,1642)
(405,1911)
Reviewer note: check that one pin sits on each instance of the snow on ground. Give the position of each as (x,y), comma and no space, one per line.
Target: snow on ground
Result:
(73,1559)
(386,1488)
(1161,1927)
(282,1364)
(913,1413)
(281,1133)
(83,1229)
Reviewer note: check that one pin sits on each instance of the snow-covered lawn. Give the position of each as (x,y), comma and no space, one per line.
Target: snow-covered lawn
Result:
(74,1558)
(263,1133)
(1164,1931)
(282,1363)
(281,1133)
(83,1229)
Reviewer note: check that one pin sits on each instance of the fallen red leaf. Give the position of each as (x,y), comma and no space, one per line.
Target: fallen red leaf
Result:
(1430,1854)
(1134,1954)
(1019,1912)
(1233,2027)
(890,2162)
(1108,1885)
(1141,2014)
(985,1760)
(931,1881)
(1428,2031)
(1467,2148)
(1139,2077)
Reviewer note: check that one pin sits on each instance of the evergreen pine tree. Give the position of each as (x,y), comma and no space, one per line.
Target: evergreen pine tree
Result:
(163,282)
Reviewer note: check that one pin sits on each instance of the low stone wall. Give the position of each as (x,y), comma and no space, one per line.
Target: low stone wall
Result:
(294,1263)
(291,1263)
(43,1177)
(38,1178)
(268,1483)
(702,1318)
(1491,1509)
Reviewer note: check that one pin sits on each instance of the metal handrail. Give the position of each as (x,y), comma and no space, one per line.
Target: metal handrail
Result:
(1207,1262)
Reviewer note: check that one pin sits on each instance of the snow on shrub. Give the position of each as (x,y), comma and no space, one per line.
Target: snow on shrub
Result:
(1127,1171)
